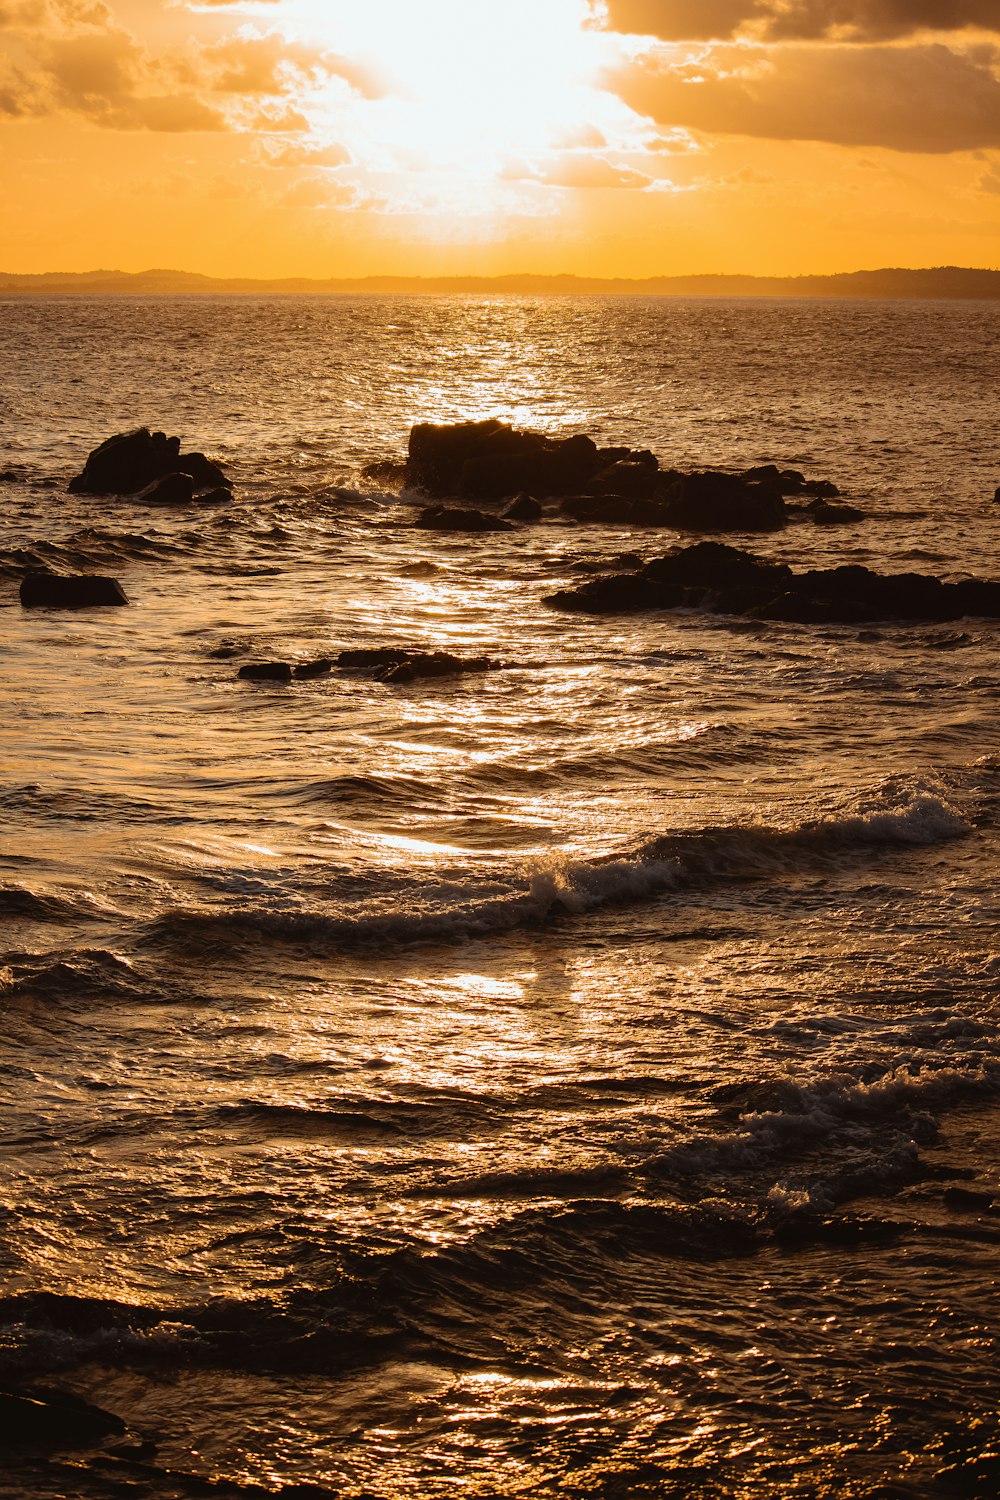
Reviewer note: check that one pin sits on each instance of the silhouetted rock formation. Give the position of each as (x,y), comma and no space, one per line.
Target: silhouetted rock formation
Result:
(400,665)
(490,462)
(132,462)
(43,590)
(725,580)
(53,1421)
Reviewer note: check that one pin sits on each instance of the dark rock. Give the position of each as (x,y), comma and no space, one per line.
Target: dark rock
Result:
(172,489)
(266,671)
(626,477)
(963,1200)
(825,514)
(205,474)
(489,460)
(369,658)
(523,508)
(401,664)
(617,510)
(723,502)
(218,496)
(41,590)
(714,565)
(307,669)
(615,594)
(431,664)
(9,477)
(53,1421)
(129,461)
(446,518)
(725,579)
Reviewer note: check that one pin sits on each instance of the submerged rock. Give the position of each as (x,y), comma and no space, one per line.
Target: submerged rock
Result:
(130,462)
(447,518)
(399,664)
(726,580)
(523,508)
(42,590)
(266,671)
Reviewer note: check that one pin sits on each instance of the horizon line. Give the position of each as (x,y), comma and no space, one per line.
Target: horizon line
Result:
(950,281)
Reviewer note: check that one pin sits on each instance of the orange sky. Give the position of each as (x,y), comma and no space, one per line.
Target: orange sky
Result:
(626,138)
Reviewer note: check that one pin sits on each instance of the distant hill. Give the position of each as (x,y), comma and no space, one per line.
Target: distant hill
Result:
(938,282)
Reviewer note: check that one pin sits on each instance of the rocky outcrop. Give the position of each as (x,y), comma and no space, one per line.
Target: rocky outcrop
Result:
(491,462)
(43,590)
(726,580)
(131,462)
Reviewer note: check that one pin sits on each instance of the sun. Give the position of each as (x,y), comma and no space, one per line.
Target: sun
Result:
(466,87)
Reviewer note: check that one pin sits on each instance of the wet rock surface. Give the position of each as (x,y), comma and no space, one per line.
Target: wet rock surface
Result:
(726,580)
(53,1421)
(400,664)
(130,463)
(490,462)
(44,590)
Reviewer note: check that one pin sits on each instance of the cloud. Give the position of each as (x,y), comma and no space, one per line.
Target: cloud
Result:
(921,98)
(843,20)
(572,169)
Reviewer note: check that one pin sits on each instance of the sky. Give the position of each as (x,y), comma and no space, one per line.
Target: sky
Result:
(628,138)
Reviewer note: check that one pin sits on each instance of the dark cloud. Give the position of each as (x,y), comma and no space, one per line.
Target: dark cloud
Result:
(918,98)
(847,20)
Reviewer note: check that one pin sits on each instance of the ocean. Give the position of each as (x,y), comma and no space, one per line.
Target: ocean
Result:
(579,1079)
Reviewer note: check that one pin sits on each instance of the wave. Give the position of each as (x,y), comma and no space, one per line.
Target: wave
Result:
(92,547)
(897,815)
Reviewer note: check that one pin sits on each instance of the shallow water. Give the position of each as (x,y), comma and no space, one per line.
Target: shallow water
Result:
(549,1080)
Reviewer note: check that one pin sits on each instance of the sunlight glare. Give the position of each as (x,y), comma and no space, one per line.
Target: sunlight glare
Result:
(468,86)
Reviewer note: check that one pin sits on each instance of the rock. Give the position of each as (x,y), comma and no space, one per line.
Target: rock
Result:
(130,461)
(41,590)
(266,671)
(630,477)
(172,489)
(723,502)
(825,514)
(726,580)
(963,1200)
(218,496)
(445,518)
(401,664)
(308,669)
(490,460)
(387,473)
(9,477)
(523,508)
(204,473)
(617,510)
(51,1420)
(432,664)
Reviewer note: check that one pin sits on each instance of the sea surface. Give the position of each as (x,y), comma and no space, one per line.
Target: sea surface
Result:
(581,1080)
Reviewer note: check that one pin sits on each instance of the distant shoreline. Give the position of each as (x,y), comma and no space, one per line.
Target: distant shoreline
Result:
(950,283)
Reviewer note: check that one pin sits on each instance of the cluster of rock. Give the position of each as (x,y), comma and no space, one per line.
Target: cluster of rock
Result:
(395,665)
(150,467)
(489,462)
(725,580)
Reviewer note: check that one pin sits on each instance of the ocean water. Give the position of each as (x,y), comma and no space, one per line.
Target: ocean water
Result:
(580,1080)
